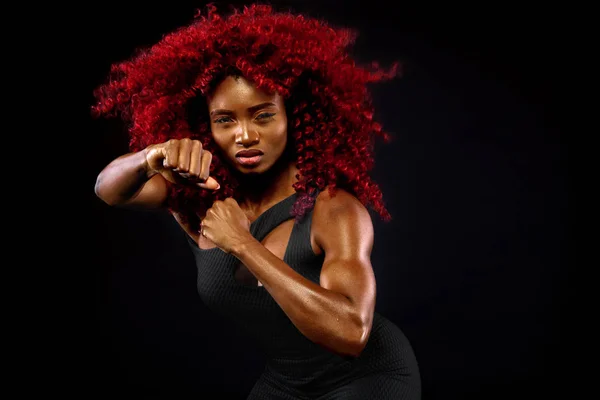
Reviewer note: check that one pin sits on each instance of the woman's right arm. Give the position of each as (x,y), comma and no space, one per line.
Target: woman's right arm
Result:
(140,179)
(128,181)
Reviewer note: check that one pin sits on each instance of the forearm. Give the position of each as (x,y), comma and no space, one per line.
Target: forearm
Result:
(122,178)
(323,316)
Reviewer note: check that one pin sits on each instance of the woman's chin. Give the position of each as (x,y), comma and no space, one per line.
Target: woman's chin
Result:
(251,170)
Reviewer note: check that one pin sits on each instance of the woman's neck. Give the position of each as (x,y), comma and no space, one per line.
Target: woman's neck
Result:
(259,192)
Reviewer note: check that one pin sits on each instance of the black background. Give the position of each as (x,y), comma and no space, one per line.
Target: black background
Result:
(472,268)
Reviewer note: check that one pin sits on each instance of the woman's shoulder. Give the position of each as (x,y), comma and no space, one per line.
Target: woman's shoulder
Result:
(337,199)
(341,220)
(330,207)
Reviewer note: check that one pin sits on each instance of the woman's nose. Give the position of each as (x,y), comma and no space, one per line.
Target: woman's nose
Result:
(247,137)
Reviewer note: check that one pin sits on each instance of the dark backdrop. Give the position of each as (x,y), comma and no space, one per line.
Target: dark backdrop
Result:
(472,267)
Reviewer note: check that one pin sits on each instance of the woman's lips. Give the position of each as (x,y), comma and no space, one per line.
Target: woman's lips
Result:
(249,157)
(249,161)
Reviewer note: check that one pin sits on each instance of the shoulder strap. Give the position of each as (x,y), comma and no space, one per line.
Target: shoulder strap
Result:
(272,218)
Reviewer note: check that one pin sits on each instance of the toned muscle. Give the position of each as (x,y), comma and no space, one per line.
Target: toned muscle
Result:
(343,230)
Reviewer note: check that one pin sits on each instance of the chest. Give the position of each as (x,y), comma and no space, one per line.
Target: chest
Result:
(229,287)
(276,242)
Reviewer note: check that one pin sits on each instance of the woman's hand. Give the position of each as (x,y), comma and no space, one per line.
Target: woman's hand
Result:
(180,161)
(226,225)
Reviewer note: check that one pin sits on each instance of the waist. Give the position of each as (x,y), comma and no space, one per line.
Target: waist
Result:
(313,368)
(309,375)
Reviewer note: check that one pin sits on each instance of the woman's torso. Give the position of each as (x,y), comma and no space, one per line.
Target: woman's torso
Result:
(293,360)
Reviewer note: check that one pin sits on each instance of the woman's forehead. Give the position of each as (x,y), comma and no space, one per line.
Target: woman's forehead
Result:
(238,92)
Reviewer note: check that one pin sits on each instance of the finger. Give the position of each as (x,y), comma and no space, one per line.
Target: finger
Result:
(208,181)
(172,156)
(185,147)
(205,164)
(195,159)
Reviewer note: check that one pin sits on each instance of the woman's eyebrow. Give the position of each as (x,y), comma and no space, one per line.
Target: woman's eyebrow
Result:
(250,109)
(261,105)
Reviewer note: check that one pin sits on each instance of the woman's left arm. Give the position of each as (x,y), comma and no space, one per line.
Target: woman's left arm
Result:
(338,313)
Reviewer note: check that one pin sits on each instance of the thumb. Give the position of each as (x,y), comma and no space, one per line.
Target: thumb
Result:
(210,184)
(169,175)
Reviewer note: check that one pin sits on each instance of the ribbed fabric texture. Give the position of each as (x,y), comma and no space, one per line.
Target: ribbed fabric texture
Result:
(297,368)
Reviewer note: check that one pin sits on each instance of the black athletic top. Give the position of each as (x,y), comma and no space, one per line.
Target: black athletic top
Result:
(298,368)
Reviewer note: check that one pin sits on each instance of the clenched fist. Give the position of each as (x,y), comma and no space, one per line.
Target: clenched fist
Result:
(181,159)
(226,225)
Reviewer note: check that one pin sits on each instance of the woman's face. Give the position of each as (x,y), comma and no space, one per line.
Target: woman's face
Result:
(248,125)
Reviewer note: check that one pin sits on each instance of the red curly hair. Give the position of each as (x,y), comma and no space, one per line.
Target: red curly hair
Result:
(306,61)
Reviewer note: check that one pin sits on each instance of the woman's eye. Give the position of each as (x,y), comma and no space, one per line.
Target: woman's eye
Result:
(222,120)
(265,115)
